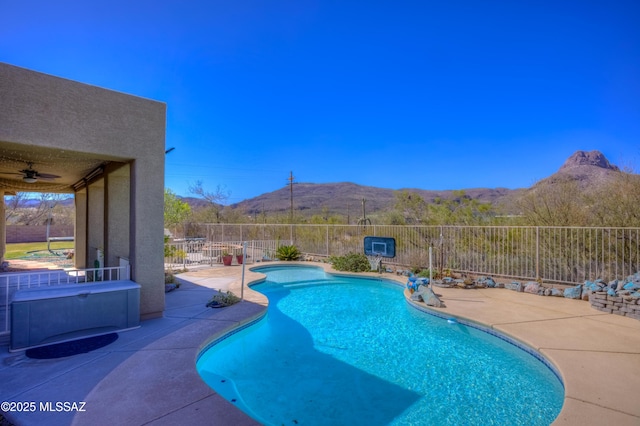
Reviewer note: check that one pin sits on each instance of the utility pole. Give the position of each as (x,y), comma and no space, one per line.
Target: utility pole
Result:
(364,219)
(290,179)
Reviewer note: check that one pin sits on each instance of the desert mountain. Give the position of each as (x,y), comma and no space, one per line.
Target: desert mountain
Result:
(588,168)
(345,198)
(195,202)
(311,198)
(591,158)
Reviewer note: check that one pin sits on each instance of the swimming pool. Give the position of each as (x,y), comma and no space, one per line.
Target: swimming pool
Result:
(350,350)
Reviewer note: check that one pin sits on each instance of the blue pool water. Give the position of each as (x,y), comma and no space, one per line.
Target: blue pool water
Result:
(348,351)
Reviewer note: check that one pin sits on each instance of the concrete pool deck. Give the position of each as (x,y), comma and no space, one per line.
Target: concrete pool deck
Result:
(148,375)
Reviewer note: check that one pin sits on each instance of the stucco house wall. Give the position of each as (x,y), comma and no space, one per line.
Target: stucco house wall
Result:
(126,203)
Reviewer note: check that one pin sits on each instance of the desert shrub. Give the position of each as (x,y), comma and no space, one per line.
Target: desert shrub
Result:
(352,262)
(424,273)
(169,250)
(287,253)
(173,252)
(222,299)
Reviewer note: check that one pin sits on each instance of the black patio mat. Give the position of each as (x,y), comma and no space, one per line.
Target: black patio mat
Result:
(75,347)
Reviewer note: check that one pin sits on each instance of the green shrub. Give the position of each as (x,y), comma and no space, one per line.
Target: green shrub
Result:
(287,253)
(351,262)
(424,273)
(171,251)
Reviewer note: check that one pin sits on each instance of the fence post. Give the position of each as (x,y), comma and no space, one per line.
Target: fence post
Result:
(537,252)
(327,235)
(441,244)
(244,256)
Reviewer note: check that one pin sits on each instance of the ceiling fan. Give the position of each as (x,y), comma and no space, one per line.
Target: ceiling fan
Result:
(29,175)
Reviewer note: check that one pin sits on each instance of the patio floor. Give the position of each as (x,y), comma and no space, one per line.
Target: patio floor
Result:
(148,375)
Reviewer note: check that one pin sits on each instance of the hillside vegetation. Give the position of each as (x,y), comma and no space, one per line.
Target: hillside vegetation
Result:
(586,191)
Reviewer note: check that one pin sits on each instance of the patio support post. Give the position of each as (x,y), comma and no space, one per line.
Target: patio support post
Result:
(3,229)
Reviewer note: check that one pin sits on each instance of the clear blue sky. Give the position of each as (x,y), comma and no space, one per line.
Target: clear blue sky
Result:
(396,94)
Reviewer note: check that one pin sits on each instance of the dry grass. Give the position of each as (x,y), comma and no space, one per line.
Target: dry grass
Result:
(22,250)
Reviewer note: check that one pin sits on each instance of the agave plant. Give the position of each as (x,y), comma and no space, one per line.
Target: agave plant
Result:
(287,253)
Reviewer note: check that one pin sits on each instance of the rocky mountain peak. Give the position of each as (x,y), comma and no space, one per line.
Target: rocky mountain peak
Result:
(591,158)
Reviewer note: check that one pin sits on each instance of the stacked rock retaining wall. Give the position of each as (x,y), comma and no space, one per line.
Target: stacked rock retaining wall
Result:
(619,297)
(619,305)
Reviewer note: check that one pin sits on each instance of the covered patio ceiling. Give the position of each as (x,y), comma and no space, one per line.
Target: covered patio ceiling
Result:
(26,168)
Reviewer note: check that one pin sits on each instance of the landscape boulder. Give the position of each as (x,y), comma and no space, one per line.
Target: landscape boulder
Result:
(573,292)
(557,292)
(594,286)
(416,296)
(483,282)
(532,287)
(514,285)
(430,298)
